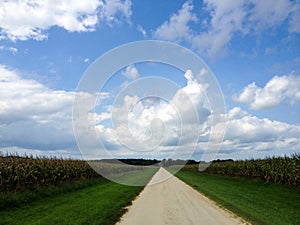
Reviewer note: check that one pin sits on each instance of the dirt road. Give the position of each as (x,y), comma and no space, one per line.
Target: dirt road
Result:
(174,202)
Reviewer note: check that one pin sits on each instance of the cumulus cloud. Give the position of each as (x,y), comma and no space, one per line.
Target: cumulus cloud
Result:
(177,27)
(153,127)
(112,11)
(36,119)
(278,90)
(130,72)
(248,135)
(33,116)
(244,128)
(23,20)
(227,18)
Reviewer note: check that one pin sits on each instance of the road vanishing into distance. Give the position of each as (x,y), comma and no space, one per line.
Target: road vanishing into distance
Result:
(174,202)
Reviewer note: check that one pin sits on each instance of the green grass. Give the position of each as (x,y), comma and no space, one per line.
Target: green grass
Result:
(256,201)
(18,198)
(101,202)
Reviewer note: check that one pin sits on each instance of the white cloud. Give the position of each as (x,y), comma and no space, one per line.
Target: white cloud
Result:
(29,19)
(247,133)
(86,60)
(141,30)
(36,119)
(10,49)
(33,116)
(142,126)
(294,25)
(279,89)
(202,72)
(248,136)
(244,128)
(227,18)
(152,127)
(130,72)
(177,27)
(112,10)
(269,13)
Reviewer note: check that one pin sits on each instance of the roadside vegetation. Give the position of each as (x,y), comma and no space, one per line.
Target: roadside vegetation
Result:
(262,191)
(256,201)
(41,190)
(96,201)
(28,173)
(279,170)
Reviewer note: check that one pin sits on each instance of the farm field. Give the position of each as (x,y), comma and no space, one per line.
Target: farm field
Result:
(256,201)
(99,202)
(66,191)
(29,173)
(280,170)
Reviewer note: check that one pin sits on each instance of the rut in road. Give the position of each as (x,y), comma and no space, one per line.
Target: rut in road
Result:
(174,202)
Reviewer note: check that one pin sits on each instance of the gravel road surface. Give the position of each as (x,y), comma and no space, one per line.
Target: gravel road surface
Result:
(174,202)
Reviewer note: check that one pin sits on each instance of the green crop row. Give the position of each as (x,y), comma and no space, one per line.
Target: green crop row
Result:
(20,173)
(280,170)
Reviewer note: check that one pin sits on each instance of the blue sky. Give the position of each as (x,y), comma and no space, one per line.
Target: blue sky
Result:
(252,47)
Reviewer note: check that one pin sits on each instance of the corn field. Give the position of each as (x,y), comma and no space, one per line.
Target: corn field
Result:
(20,173)
(280,170)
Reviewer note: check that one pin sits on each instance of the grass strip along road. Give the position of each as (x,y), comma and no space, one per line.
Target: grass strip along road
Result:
(102,202)
(256,201)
